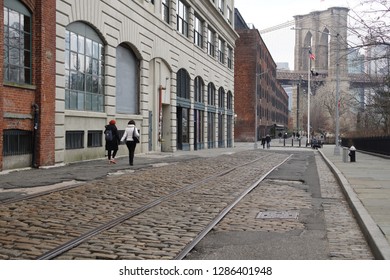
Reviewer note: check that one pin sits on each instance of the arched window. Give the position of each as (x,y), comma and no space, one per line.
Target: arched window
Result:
(84,69)
(17,43)
(221,97)
(211,94)
(127,81)
(199,84)
(183,84)
(230,100)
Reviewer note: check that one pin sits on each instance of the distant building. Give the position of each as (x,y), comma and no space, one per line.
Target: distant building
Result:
(282,66)
(261,103)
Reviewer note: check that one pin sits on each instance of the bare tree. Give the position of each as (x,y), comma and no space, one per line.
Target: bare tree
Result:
(325,101)
(371,23)
(371,27)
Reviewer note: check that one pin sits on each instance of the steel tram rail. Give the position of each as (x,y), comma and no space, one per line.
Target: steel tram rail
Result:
(223,213)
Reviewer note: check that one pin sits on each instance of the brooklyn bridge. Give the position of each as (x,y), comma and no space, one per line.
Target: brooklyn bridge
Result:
(323,33)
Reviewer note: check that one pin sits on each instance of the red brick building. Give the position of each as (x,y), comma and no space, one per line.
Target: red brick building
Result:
(27,83)
(257,91)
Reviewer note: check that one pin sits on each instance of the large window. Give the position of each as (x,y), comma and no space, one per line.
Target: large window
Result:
(198,89)
(165,10)
(229,101)
(84,69)
(230,58)
(183,84)
(221,4)
(210,42)
(182,18)
(211,94)
(229,15)
(127,81)
(221,98)
(221,50)
(198,32)
(17,43)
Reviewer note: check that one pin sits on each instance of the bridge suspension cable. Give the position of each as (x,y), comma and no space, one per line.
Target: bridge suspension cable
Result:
(276,27)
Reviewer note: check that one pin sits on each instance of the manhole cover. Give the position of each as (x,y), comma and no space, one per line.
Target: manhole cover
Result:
(277,215)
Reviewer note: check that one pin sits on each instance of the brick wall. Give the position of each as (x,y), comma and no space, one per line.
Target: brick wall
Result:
(252,59)
(244,86)
(16,100)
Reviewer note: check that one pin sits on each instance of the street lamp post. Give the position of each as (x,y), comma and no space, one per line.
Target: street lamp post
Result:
(255,145)
(298,96)
(308,98)
(257,75)
(337,147)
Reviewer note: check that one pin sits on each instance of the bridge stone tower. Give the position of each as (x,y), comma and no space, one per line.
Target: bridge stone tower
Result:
(325,34)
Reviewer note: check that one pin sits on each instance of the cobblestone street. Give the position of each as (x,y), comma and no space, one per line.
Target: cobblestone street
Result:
(31,227)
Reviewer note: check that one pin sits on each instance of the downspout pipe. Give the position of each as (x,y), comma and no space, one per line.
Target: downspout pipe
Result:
(35,135)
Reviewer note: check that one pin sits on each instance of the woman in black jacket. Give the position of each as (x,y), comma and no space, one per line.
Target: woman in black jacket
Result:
(112,140)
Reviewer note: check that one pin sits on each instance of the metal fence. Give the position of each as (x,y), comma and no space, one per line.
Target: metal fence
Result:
(378,145)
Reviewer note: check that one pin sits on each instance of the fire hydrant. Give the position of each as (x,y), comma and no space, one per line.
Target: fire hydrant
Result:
(352,154)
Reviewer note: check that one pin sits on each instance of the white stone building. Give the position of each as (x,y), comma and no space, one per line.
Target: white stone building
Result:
(167,64)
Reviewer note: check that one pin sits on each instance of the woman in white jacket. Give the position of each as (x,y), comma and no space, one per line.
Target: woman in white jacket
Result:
(131,132)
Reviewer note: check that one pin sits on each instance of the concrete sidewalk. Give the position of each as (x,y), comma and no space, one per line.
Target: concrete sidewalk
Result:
(366,184)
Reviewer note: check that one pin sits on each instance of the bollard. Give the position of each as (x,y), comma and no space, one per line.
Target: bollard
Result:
(292,142)
(352,154)
(345,154)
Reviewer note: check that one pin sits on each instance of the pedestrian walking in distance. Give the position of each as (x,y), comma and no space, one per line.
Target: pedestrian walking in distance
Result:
(112,140)
(268,140)
(131,136)
(263,142)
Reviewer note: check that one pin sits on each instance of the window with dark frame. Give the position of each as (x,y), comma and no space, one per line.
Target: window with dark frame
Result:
(74,140)
(211,94)
(17,44)
(198,32)
(17,142)
(182,18)
(198,84)
(210,42)
(165,10)
(230,58)
(229,15)
(221,98)
(84,72)
(221,4)
(221,50)
(95,138)
(183,84)
(230,101)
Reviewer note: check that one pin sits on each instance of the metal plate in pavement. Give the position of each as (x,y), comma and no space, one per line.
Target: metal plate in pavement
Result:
(277,215)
